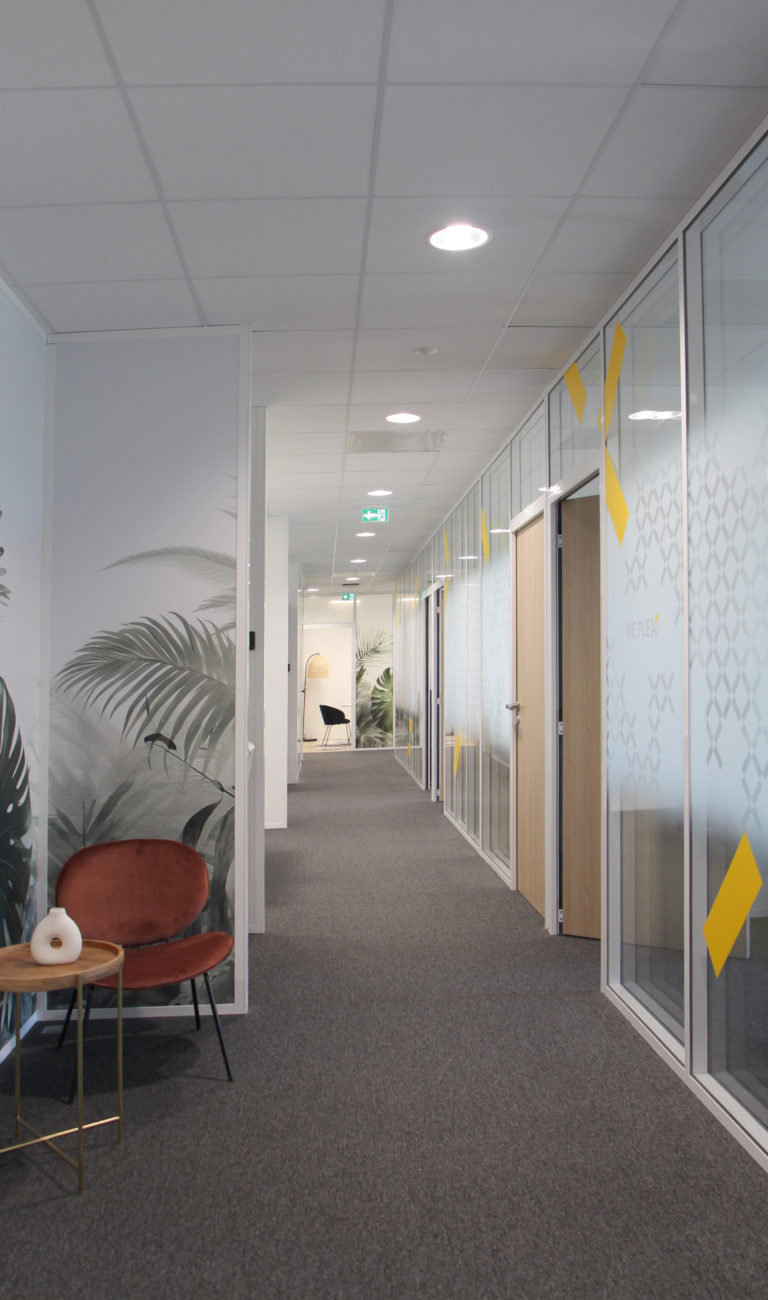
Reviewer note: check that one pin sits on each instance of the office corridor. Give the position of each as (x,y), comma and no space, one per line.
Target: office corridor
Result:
(431,1099)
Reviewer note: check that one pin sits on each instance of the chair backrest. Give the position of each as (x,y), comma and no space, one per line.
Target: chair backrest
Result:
(133,891)
(330,715)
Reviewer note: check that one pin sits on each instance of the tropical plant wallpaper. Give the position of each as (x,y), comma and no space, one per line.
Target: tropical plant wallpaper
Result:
(373,673)
(15,827)
(142,694)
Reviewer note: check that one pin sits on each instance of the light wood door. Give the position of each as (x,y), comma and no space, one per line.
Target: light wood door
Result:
(580,666)
(529,677)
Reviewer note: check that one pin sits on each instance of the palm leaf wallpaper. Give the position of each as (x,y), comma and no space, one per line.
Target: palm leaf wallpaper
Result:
(373,673)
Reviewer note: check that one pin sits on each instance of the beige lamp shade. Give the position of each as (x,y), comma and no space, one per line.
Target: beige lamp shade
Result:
(317,666)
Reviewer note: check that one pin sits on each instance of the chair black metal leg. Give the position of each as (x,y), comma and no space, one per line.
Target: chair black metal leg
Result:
(67,1018)
(195,1003)
(86,1014)
(217,1022)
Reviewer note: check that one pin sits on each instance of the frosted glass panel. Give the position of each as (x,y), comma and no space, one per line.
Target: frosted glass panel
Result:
(495,653)
(471,568)
(528,462)
(728,538)
(574,411)
(644,651)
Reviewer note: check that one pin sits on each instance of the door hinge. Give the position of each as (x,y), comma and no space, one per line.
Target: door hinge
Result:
(559,541)
(560,916)
(559,728)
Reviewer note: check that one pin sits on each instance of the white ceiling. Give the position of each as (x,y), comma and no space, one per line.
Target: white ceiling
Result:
(280,163)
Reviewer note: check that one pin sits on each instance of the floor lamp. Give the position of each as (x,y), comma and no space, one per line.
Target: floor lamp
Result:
(316,669)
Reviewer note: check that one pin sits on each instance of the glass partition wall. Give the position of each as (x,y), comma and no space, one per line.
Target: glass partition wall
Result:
(670,401)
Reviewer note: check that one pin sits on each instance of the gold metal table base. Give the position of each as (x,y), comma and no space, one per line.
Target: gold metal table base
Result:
(80,1127)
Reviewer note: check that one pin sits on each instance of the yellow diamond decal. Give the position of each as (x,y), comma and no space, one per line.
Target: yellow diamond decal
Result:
(732,905)
(485,537)
(575,385)
(614,498)
(456,753)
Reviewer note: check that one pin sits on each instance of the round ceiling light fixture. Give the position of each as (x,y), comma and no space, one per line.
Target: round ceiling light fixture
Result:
(380,492)
(459,238)
(402,417)
(365,534)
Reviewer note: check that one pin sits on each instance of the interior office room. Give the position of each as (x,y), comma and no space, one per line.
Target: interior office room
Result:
(408,361)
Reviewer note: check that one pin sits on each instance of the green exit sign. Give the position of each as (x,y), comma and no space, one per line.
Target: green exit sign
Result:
(380,516)
(347,595)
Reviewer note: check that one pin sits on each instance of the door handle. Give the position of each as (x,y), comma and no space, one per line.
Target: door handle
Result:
(514,707)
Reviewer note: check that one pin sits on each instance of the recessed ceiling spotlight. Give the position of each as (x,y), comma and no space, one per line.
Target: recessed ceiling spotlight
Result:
(357,561)
(458,238)
(365,534)
(307,589)
(380,492)
(655,415)
(402,417)
(499,530)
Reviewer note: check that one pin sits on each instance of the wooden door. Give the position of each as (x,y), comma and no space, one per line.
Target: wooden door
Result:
(529,677)
(580,667)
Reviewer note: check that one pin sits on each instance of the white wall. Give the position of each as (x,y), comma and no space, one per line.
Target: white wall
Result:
(276,674)
(147,433)
(337,644)
(22,435)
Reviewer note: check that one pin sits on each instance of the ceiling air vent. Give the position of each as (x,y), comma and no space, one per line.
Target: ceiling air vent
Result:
(396,442)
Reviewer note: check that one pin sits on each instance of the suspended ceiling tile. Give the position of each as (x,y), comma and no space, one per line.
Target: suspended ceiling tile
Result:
(69,146)
(396,349)
(544,347)
(281,302)
(294,389)
(181,42)
(656,150)
(414,462)
(299,467)
(122,306)
(370,419)
(238,142)
(300,444)
(271,236)
(70,55)
(557,41)
(468,298)
(409,387)
(479,415)
(714,44)
(570,298)
(520,228)
(301,350)
(495,140)
(513,385)
(323,420)
(102,241)
(605,234)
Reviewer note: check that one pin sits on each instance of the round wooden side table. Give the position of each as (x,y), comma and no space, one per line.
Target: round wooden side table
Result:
(19,973)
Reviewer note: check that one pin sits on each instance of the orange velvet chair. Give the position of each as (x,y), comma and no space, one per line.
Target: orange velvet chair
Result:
(141,894)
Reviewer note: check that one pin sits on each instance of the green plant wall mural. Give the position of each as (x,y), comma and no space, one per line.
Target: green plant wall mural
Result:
(155,699)
(15,829)
(142,741)
(373,675)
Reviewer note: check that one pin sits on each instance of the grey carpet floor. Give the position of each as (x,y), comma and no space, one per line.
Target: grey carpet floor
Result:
(431,1099)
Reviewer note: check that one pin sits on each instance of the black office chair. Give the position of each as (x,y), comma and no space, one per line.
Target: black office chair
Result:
(333,718)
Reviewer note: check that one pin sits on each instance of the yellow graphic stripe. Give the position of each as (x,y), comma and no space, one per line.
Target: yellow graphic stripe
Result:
(732,905)
(575,385)
(456,752)
(484,535)
(614,498)
(613,372)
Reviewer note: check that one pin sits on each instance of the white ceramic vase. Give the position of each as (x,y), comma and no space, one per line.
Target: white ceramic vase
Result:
(56,939)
